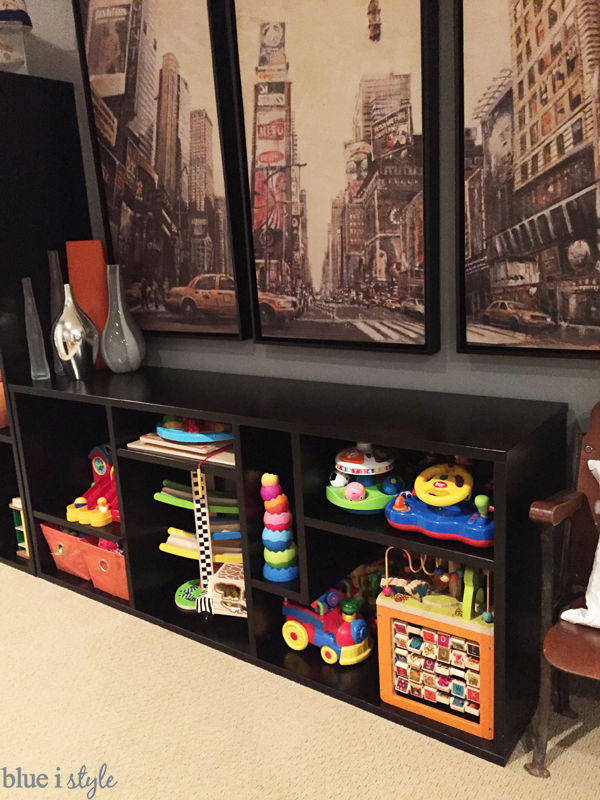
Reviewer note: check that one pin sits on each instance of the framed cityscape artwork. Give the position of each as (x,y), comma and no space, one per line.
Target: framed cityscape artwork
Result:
(529,230)
(340,112)
(152,102)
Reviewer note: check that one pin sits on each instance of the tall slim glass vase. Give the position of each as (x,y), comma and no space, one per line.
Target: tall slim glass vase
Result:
(40,371)
(123,346)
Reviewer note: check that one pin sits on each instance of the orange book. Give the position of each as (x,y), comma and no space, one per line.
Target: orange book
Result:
(87,275)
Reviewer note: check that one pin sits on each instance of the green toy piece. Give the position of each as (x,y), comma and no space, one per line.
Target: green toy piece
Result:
(422,590)
(188,594)
(471,581)
(282,559)
(482,502)
(349,605)
(173,501)
(214,509)
(375,499)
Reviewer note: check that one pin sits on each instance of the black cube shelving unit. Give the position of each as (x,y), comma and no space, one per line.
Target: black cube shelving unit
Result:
(295,428)
(43,204)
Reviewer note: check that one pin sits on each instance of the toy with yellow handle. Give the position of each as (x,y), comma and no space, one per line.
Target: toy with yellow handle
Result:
(440,507)
(444,485)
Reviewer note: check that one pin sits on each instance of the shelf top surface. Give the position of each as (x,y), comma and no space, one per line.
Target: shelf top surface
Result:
(485,426)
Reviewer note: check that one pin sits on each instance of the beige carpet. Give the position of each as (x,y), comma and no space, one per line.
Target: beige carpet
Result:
(82,683)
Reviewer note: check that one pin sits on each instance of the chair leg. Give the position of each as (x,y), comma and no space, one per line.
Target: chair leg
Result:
(537,768)
(563,704)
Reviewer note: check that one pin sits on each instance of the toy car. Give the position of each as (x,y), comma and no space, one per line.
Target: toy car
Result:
(331,623)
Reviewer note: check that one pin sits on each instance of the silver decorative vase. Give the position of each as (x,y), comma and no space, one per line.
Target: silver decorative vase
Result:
(75,339)
(123,346)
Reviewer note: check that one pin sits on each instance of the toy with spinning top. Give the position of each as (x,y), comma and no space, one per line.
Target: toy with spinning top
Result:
(361,482)
(280,553)
(440,507)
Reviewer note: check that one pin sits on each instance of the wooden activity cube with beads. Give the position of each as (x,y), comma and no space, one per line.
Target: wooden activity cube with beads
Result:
(434,663)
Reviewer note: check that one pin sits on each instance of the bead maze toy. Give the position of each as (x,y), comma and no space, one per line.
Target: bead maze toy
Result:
(361,482)
(332,623)
(99,505)
(436,651)
(280,553)
(439,507)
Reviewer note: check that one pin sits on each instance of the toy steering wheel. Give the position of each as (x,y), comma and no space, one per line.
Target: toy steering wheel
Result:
(443,485)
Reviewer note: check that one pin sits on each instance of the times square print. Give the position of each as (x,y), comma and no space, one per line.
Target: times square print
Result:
(332,108)
(152,88)
(531,174)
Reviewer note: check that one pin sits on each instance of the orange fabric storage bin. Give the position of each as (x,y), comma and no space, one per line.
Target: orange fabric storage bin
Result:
(107,571)
(68,551)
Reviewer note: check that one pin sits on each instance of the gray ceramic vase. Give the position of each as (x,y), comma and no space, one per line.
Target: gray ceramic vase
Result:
(123,346)
(75,339)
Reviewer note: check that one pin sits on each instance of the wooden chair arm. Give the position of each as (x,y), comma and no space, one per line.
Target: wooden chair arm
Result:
(556,509)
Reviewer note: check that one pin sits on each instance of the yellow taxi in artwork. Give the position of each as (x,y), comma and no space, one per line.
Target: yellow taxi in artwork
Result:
(210,294)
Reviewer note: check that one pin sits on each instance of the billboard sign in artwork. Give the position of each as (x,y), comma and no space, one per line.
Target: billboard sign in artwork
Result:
(269,200)
(270,93)
(107,41)
(358,156)
(392,132)
(270,137)
(272,44)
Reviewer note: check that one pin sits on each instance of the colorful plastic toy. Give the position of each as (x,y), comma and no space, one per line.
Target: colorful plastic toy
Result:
(186,429)
(355,491)
(361,482)
(332,623)
(439,507)
(103,488)
(280,553)
(102,514)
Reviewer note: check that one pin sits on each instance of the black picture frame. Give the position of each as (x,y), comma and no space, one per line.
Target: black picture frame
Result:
(238,174)
(230,156)
(465,307)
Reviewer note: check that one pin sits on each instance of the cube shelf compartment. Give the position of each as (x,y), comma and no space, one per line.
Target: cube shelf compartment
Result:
(295,428)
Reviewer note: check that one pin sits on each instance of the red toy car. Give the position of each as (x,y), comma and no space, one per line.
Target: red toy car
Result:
(332,623)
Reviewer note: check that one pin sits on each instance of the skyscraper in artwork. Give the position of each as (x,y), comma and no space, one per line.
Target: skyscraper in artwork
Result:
(222,257)
(142,123)
(201,160)
(172,130)
(378,96)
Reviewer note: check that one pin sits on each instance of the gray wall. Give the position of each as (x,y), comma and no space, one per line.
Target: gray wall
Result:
(52,53)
